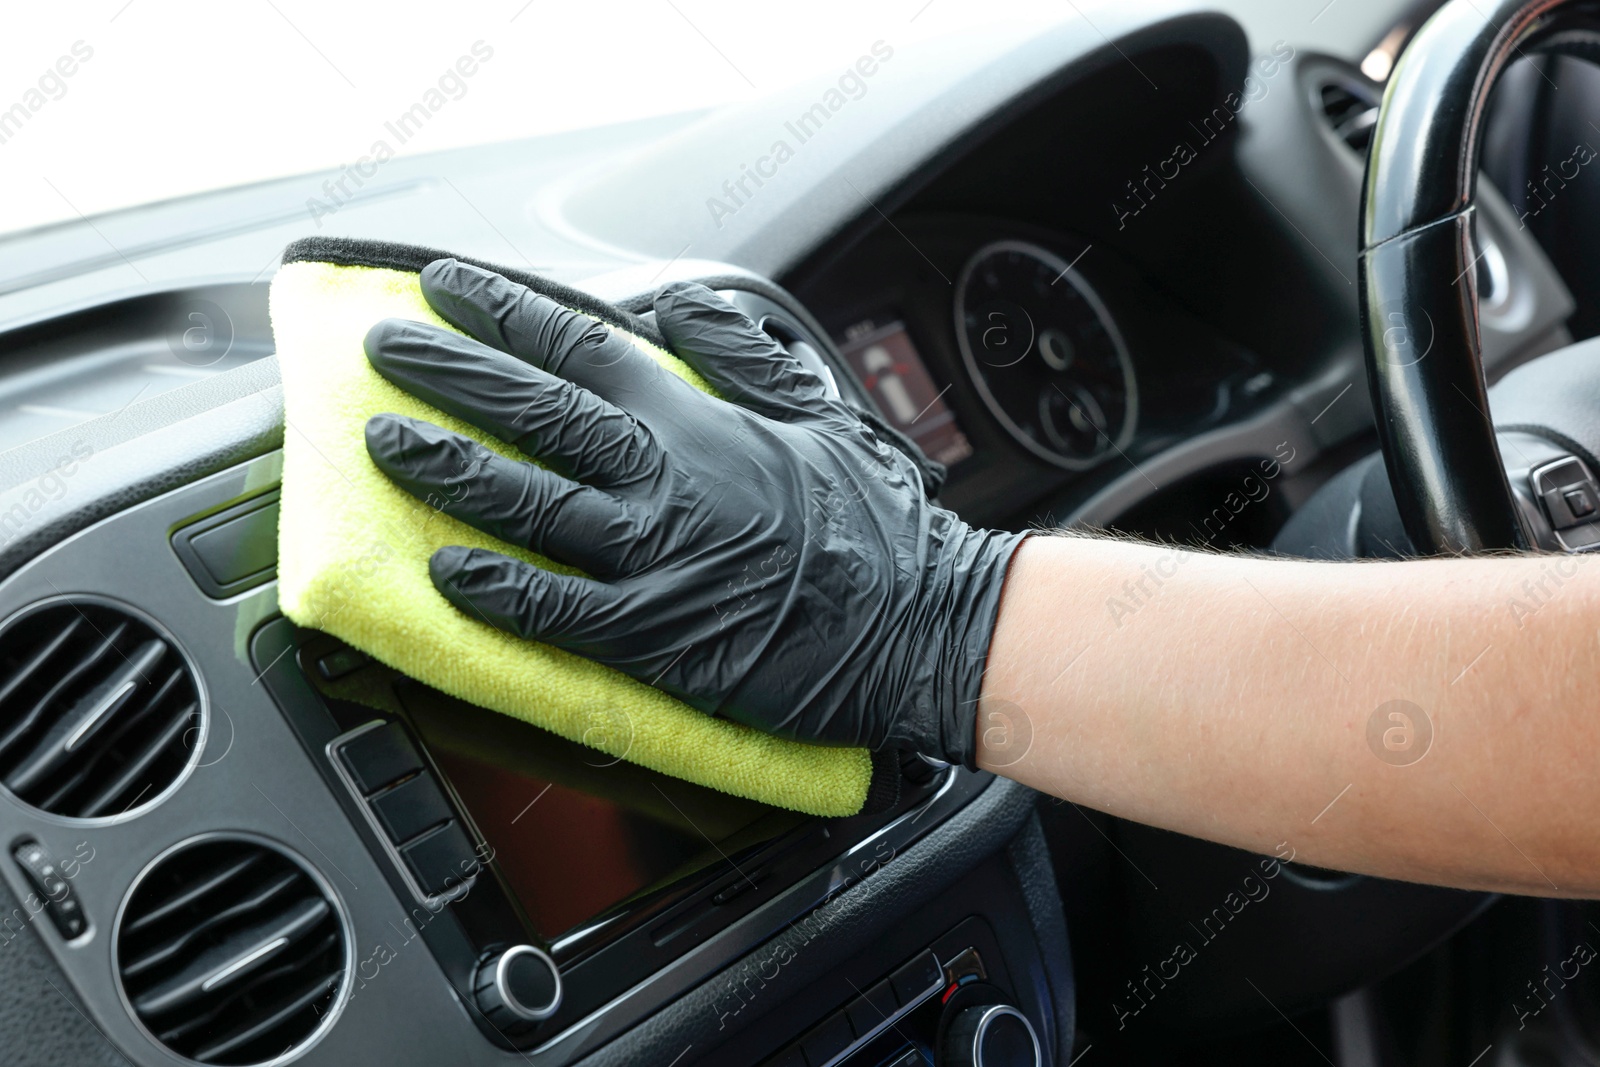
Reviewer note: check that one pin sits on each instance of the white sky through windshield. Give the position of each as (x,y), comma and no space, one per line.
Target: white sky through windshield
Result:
(105,105)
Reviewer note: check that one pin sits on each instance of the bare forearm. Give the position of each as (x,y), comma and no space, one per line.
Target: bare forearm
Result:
(1427,720)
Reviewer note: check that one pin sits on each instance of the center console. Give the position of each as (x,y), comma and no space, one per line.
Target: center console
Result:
(554,884)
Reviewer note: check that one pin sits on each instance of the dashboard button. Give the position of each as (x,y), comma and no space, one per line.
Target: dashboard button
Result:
(379,757)
(415,805)
(60,902)
(916,978)
(827,1041)
(441,859)
(340,662)
(233,550)
(871,1008)
(238,549)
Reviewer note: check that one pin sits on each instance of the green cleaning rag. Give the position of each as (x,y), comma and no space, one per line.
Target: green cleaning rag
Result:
(353,551)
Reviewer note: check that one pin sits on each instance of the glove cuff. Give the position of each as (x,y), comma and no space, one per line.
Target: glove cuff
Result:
(942,716)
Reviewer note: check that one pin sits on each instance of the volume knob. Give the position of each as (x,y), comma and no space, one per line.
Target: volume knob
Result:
(518,986)
(992,1035)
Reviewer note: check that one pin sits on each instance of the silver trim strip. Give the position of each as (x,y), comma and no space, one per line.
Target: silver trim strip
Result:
(111,700)
(240,964)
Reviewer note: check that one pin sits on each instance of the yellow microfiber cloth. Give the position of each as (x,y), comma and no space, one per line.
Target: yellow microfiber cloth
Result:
(353,550)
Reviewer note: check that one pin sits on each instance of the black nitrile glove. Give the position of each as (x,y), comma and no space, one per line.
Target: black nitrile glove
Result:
(764,557)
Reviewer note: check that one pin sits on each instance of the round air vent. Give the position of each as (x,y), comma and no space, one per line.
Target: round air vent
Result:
(99,713)
(231,952)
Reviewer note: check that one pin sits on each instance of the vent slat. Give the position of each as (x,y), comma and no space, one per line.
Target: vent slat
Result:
(232,960)
(126,736)
(154,749)
(194,890)
(223,1012)
(163,953)
(49,701)
(148,704)
(246,1036)
(1353,114)
(230,953)
(74,731)
(89,700)
(26,671)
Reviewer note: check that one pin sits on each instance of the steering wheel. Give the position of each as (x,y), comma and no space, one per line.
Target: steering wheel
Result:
(1419,303)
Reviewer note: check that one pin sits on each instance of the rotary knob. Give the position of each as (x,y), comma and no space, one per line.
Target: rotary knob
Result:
(517,987)
(991,1035)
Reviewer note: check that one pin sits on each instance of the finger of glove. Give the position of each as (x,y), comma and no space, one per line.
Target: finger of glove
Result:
(525,600)
(516,502)
(538,330)
(573,431)
(743,363)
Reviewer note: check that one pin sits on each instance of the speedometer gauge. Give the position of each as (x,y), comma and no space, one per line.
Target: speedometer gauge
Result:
(1045,354)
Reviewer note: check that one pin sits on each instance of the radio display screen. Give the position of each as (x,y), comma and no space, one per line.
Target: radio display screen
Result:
(575,832)
(887,363)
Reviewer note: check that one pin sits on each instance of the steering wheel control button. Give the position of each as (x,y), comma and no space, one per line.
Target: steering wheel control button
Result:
(914,980)
(519,986)
(415,805)
(993,1035)
(52,887)
(1571,500)
(441,859)
(380,757)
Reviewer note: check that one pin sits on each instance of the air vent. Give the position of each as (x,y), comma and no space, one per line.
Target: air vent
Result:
(231,952)
(1352,111)
(99,713)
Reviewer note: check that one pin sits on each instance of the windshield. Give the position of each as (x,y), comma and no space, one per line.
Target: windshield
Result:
(110,105)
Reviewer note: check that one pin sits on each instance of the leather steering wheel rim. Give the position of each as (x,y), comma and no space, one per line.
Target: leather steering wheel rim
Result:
(1417,272)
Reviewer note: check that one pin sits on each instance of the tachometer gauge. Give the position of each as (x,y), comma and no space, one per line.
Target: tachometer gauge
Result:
(1045,355)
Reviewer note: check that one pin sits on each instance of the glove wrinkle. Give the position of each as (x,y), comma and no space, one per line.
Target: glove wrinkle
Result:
(773,562)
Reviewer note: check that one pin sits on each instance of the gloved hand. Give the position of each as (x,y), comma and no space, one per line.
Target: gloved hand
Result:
(763,557)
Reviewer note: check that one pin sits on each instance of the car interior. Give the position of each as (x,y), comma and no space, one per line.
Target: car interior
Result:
(1126,274)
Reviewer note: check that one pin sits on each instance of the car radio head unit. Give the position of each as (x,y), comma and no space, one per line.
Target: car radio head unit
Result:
(594,874)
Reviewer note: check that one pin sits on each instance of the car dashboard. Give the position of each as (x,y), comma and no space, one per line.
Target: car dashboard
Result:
(1090,273)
